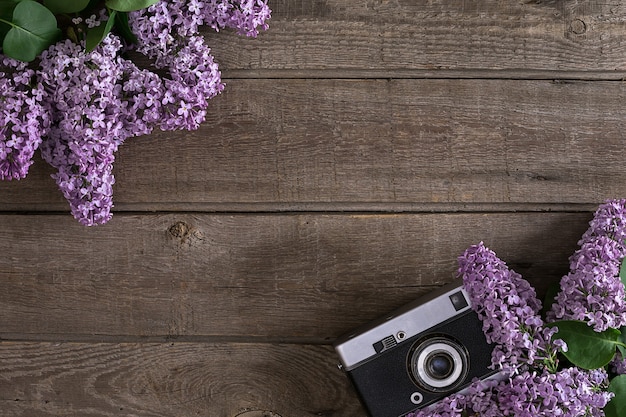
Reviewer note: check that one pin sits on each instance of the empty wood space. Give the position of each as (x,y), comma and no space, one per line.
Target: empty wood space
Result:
(358,148)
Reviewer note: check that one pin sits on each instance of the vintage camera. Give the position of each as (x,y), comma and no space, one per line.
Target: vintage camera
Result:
(418,354)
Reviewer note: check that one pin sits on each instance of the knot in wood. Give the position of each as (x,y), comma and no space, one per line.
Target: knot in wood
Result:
(578,26)
(179,230)
(185,234)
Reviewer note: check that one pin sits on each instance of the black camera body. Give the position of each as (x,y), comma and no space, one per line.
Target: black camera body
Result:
(418,354)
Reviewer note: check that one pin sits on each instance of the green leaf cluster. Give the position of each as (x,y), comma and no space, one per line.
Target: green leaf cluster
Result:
(617,406)
(28,27)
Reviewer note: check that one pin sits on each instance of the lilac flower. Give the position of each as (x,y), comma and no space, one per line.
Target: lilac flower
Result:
(24,118)
(244,15)
(166,33)
(618,365)
(609,220)
(141,96)
(87,126)
(194,80)
(80,107)
(509,309)
(99,100)
(570,392)
(593,291)
(157,26)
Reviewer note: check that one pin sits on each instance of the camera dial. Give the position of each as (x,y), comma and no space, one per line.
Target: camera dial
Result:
(438,363)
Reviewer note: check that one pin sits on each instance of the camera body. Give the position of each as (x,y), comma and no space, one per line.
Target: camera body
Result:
(418,354)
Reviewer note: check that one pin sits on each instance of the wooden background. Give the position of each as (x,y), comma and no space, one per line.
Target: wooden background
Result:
(359,147)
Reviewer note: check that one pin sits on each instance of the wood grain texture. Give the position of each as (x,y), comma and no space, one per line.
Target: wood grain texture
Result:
(432,35)
(172,379)
(258,277)
(373,141)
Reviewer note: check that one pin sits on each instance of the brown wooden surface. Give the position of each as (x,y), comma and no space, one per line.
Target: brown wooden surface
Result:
(359,148)
(359,142)
(172,379)
(406,35)
(282,277)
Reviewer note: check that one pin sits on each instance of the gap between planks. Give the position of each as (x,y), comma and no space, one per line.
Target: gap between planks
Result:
(444,74)
(122,339)
(315,207)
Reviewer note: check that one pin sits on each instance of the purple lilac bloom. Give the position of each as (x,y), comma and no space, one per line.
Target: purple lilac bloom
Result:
(593,291)
(195,79)
(84,91)
(158,26)
(24,118)
(99,99)
(571,392)
(166,33)
(244,15)
(509,309)
(94,101)
(609,220)
(141,96)
(618,364)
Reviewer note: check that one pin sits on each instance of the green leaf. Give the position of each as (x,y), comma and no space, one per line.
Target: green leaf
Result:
(98,33)
(586,348)
(33,29)
(617,406)
(129,5)
(66,6)
(123,28)
(622,339)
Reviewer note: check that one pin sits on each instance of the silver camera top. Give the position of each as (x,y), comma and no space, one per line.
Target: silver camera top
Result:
(402,324)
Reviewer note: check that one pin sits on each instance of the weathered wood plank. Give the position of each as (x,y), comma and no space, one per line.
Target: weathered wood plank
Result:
(432,35)
(253,277)
(373,141)
(172,379)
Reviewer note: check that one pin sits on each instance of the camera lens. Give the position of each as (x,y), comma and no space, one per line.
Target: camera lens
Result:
(438,363)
